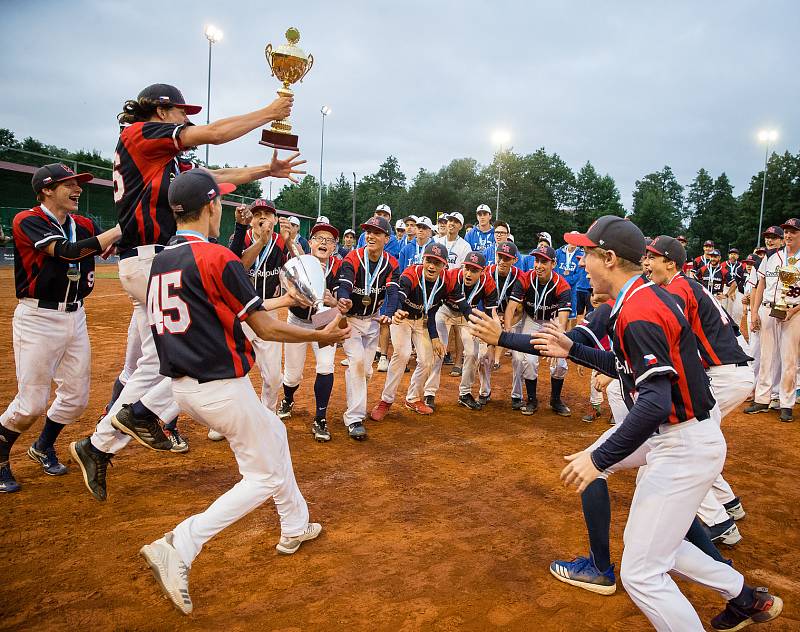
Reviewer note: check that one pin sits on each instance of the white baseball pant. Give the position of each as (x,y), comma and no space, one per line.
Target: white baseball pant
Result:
(530,367)
(268,358)
(133,351)
(445,319)
(595,396)
(779,349)
(517,363)
(616,402)
(360,351)
(295,355)
(258,441)
(402,336)
(49,346)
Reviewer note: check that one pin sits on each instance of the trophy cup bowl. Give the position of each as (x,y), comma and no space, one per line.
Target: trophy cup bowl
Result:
(788,275)
(305,276)
(289,63)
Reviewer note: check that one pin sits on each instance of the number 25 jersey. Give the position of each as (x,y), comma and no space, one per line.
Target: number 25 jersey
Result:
(198,295)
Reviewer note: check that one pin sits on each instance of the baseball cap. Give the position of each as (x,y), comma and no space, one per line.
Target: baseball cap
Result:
(749,259)
(320,226)
(264,205)
(715,253)
(456,216)
(708,242)
(507,249)
(55,172)
(400,225)
(442,219)
(383,208)
(435,251)
(669,247)
(323,220)
(166,94)
(475,259)
(422,220)
(544,252)
(349,231)
(775,231)
(681,238)
(193,189)
(483,208)
(294,220)
(411,218)
(545,236)
(761,249)
(378,223)
(612,233)
(791,223)
(730,250)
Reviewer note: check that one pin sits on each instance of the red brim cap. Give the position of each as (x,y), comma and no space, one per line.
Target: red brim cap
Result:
(579,239)
(80,177)
(326,227)
(442,259)
(189,109)
(654,251)
(472,265)
(366,226)
(226,187)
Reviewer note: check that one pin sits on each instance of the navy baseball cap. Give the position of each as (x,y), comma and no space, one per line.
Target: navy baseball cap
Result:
(168,95)
(681,238)
(669,248)
(774,231)
(324,226)
(435,251)
(730,250)
(708,242)
(715,253)
(55,172)
(544,252)
(263,205)
(749,259)
(791,223)
(476,260)
(377,223)
(193,189)
(611,232)
(508,249)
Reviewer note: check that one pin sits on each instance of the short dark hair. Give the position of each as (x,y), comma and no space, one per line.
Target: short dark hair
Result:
(184,217)
(503,224)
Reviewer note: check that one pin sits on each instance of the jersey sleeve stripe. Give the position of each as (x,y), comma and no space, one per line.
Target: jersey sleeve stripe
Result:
(590,333)
(653,371)
(48,239)
(255,299)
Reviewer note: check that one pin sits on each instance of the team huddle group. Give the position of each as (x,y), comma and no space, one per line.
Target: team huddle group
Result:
(660,334)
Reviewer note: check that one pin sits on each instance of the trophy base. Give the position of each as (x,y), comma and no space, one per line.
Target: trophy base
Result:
(322,319)
(777,312)
(278,140)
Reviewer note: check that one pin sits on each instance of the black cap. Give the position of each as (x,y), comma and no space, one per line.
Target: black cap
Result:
(435,251)
(475,259)
(708,242)
(166,94)
(55,172)
(715,253)
(193,189)
(791,223)
(730,250)
(544,252)
(775,231)
(507,248)
(263,205)
(377,223)
(612,233)
(670,248)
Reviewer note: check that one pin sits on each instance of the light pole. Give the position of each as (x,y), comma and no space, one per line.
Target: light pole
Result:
(500,138)
(765,136)
(325,110)
(213,35)
(354,200)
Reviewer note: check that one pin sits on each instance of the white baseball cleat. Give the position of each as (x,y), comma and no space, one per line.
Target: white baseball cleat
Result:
(289,545)
(170,571)
(215,436)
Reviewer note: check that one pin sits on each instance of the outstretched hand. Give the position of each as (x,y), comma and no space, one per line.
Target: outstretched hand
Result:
(333,333)
(286,168)
(485,327)
(580,471)
(551,341)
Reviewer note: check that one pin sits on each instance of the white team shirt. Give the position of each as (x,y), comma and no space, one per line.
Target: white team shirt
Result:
(768,270)
(457,251)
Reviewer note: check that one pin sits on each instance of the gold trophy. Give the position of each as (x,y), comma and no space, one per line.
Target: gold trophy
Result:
(788,275)
(289,64)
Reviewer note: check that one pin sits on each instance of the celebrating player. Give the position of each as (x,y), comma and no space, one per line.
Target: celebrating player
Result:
(54,273)
(481,237)
(411,253)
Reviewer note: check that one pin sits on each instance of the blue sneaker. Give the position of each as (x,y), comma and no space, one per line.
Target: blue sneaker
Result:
(582,572)
(8,484)
(48,460)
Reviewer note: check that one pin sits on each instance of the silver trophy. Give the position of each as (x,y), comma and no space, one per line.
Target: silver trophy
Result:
(304,275)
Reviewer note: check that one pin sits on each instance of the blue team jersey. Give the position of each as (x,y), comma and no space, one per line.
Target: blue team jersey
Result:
(411,254)
(567,264)
(393,247)
(582,284)
(479,240)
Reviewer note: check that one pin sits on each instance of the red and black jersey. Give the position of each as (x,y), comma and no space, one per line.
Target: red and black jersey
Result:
(736,273)
(37,274)
(699,262)
(651,336)
(594,326)
(714,278)
(331,282)
(197,296)
(414,288)
(507,285)
(484,292)
(353,279)
(145,163)
(543,301)
(267,266)
(710,323)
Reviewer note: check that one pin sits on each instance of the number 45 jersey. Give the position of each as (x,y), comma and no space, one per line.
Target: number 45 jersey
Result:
(198,295)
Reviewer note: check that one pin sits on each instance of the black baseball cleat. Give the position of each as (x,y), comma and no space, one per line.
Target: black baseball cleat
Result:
(285,409)
(320,430)
(560,408)
(786,415)
(485,399)
(93,466)
(530,407)
(765,608)
(517,403)
(430,401)
(146,430)
(357,431)
(447,360)
(48,460)
(8,484)
(755,407)
(468,401)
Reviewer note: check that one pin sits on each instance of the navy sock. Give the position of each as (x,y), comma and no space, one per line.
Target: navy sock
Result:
(49,434)
(745,598)
(141,411)
(172,425)
(115,391)
(597,514)
(7,439)
(698,536)
(555,389)
(323,386)
(530,389)
(288,393)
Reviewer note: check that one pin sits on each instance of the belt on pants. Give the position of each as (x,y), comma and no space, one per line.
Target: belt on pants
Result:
(54,305)
(141,250)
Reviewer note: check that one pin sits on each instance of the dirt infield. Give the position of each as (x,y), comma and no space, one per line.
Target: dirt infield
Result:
(446,522)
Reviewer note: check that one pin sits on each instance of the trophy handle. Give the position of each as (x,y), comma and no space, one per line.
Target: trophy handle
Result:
(268,53)
(310,63)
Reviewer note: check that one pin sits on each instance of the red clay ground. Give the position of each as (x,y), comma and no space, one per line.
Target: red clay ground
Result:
(440,523)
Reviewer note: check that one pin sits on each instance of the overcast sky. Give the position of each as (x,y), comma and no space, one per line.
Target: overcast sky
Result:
(631,86)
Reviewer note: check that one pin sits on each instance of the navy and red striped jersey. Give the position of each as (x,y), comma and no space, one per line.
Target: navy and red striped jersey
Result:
(484,292)
(331,282)
(651,336)
(507,285)
(267,265)
(353,276)
(711,324)
(595,326)
(145,162)
(699,262)
(714,278)
(446,286)
(543,301)
(198,295)
(736,273)
(37,274)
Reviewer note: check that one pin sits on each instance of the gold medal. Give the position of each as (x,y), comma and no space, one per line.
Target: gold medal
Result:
(74,274)
(366,301)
